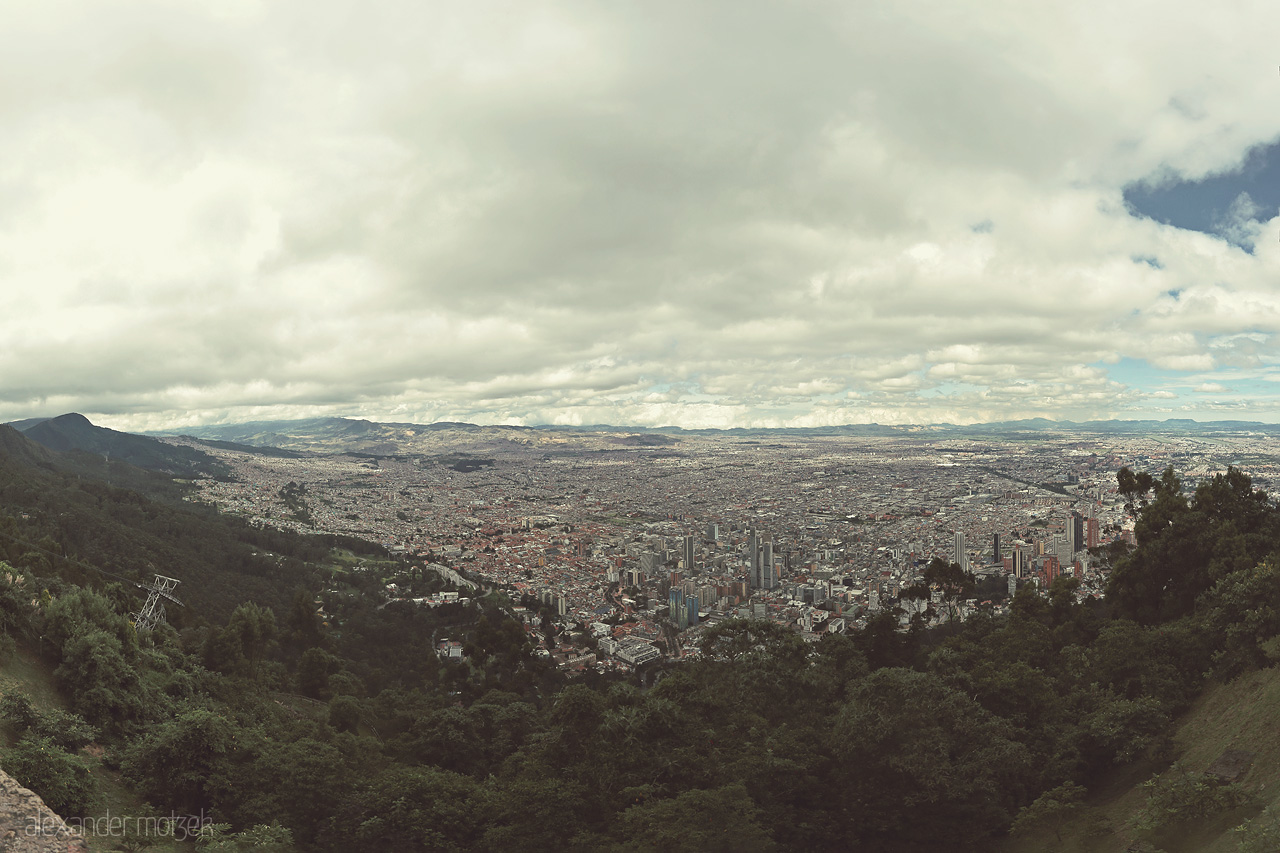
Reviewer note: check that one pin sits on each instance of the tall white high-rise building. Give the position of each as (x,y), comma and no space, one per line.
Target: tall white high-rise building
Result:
(958,555)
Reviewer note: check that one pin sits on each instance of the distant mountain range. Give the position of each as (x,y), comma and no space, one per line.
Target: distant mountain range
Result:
(255,432)
(294,438)
(351,435)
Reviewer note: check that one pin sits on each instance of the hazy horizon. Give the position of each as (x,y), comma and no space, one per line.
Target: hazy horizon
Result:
(205,427)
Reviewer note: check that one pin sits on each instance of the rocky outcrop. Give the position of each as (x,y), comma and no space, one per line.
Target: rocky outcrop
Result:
(27,825)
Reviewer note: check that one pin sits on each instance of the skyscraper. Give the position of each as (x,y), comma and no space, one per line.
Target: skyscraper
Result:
(760,567)
(1075,533)
(995,547)
(753,559)
(1020,559)
(958,556)
(687,553)
(679,607)
(768,572)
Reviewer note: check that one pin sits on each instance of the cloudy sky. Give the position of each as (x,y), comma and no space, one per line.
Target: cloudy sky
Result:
(703,214)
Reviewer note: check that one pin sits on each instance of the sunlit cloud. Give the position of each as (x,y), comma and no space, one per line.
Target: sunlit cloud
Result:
(702,215)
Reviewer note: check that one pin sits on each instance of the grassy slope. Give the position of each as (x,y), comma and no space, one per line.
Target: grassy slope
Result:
(25,673)
(1241,715)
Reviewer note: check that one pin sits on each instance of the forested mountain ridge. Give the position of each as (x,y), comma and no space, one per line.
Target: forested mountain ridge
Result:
(17,451)
(55,499)
(883,740)
(75,432)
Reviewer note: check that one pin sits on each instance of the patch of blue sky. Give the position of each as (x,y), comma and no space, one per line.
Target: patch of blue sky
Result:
(1213,205)
(1137,373)
(1249,393)
(1239,383)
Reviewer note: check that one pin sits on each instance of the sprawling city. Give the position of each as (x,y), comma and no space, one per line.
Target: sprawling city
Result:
(645,537)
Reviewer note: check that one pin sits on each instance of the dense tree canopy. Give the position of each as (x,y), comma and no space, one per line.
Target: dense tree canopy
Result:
(1188,545)
(351,735)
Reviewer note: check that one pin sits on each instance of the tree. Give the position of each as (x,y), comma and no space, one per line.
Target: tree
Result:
(238,648)
(344,713)
(448,738)
(411,808)
(60,778)
(300,783)
(303,621)
(67,731)
(836,664)
(263,838)
(105,689)
(1051,809)
(954,582)
(1132,662)
(753,667)
(254,627)
(1120,730)
(1187,545)
(1180,795)
(1134,487)
(924,767)
(185,764)
(82,610)
(15,600)
(1242,612)
(1262,834)
(722,820)
(313,673)
(574,723)
(883,645)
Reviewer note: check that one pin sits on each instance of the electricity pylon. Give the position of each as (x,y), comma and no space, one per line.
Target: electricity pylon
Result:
(153,611)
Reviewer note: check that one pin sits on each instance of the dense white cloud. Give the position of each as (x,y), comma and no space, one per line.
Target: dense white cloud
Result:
(708,214)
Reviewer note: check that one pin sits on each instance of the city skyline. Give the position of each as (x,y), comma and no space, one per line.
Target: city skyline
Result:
(729,215)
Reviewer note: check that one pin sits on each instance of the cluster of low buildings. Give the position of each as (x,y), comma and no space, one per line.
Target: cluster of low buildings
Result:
(819,533)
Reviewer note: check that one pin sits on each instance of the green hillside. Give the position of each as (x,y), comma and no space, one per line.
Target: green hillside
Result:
(58,513)
(24,674)
(1240,715)
(293,703)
